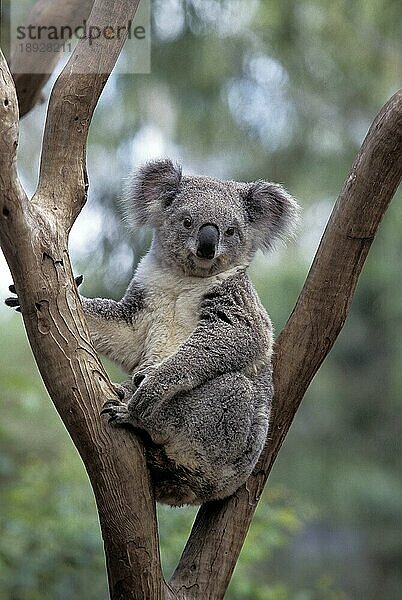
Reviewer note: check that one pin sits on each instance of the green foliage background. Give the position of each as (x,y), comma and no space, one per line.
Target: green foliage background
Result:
(241,89)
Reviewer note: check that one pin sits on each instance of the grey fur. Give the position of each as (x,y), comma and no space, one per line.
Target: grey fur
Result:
(192,332)
(154,187)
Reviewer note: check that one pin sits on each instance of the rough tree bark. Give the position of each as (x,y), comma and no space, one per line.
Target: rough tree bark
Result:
(34,238)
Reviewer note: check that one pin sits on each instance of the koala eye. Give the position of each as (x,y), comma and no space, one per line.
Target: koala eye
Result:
(230,231)
(187,222)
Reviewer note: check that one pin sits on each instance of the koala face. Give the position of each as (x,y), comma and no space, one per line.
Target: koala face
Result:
(204,226)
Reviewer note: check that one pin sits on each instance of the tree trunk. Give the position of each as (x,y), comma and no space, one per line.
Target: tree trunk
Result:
(34,238)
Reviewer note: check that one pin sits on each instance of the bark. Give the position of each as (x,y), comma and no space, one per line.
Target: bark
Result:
(31,70)
(34,237)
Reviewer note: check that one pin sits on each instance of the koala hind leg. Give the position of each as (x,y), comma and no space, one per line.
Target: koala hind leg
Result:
(215,434)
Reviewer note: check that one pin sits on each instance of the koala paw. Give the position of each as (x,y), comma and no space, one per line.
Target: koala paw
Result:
(11,301)
(149,391)
(145,399)
(118,413)
(124,412)
(78,280)
(115,408)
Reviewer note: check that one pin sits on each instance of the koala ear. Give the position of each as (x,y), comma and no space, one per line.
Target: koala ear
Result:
(152,189)
(272,212)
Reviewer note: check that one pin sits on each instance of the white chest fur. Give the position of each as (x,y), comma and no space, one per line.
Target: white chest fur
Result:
(169,318)
(172,309)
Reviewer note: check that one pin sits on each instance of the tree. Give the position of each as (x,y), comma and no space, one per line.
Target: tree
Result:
(34,237)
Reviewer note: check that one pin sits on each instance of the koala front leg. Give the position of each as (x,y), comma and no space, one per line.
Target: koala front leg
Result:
(111,324)
(107,324)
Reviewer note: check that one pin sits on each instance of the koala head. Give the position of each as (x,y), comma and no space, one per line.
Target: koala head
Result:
(204,226)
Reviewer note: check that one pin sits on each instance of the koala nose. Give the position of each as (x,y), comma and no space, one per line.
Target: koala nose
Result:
(208,238)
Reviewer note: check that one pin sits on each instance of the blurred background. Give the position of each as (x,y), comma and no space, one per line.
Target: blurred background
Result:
(241,89)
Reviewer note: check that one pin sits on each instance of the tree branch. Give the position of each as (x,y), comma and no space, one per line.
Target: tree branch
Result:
(9,126)
(12,195)
(53,314)
(31,70)
(71,106)
(220,528)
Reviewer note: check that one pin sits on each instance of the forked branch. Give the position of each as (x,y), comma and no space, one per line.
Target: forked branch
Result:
(220,528)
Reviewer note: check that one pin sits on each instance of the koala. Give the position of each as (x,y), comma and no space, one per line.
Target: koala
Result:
(191,331)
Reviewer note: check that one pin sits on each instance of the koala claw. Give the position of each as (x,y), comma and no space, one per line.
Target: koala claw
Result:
(121,416)
(13,302)
(120,390)
(109,406)
(118,414)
